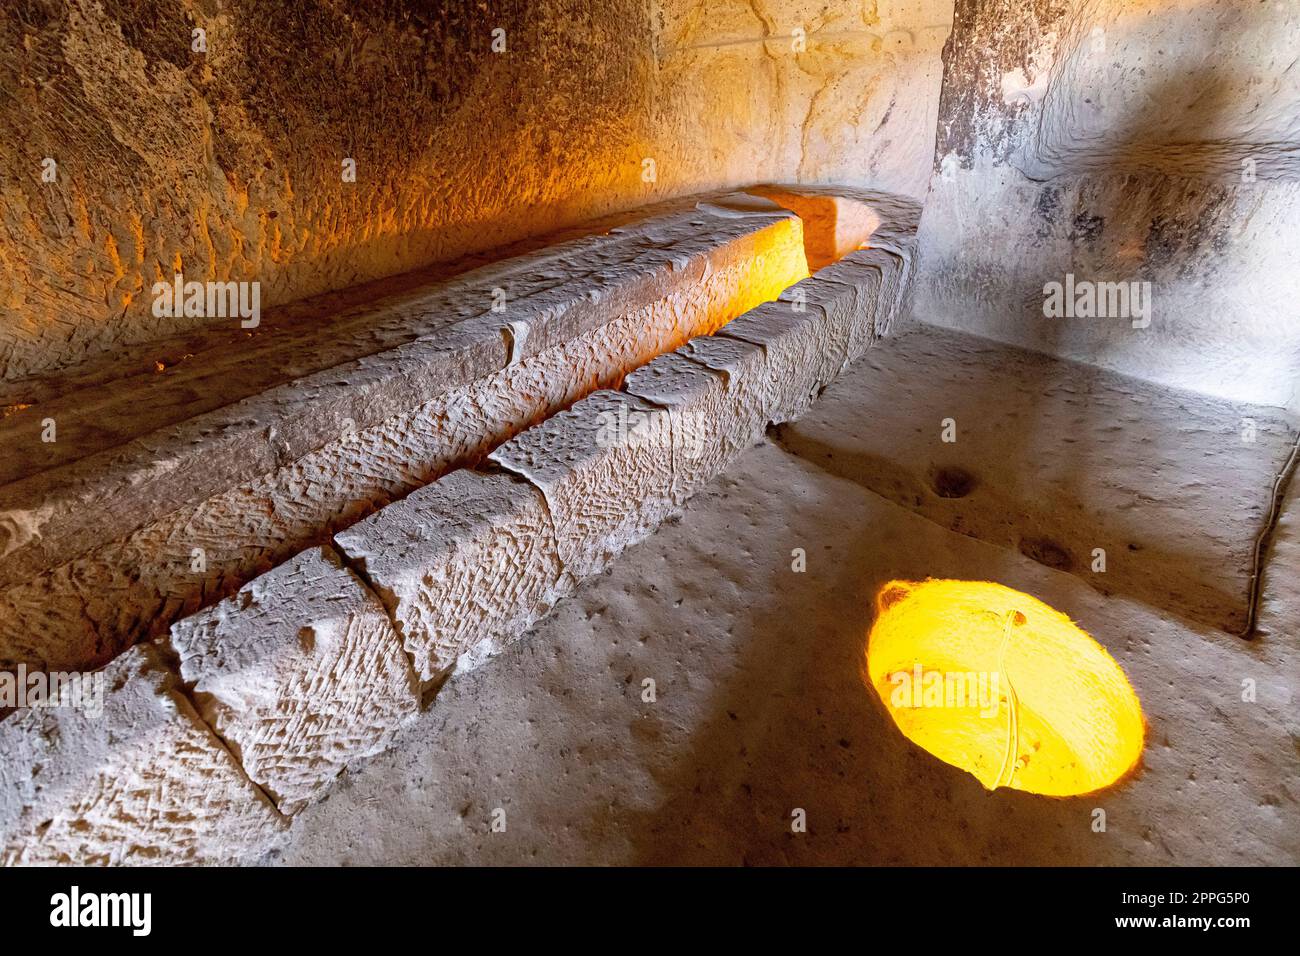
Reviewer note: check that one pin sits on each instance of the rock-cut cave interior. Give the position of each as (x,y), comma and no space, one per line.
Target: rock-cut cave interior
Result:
(649,432)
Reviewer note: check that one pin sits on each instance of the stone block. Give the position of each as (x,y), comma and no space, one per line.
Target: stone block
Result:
(605,468)
(464,565)
(136,778)
(300,672)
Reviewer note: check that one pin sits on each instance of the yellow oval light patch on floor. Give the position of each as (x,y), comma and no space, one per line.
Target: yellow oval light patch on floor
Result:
(998,683)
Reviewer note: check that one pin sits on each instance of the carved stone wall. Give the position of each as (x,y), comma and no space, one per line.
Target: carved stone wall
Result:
(141,138)
(1124,141)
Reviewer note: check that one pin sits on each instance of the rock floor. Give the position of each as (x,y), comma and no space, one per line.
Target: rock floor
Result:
(760,705)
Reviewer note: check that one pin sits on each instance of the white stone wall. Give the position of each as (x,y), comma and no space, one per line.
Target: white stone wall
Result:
(1124,141)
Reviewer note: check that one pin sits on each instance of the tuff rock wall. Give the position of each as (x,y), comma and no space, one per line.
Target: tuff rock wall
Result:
(1124,141)
(128,154)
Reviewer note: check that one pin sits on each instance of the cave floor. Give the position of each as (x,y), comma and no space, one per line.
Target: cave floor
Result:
(760,706)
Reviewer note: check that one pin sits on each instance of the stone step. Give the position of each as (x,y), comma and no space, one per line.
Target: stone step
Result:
(1030,462)
(299,675)
(166,492)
